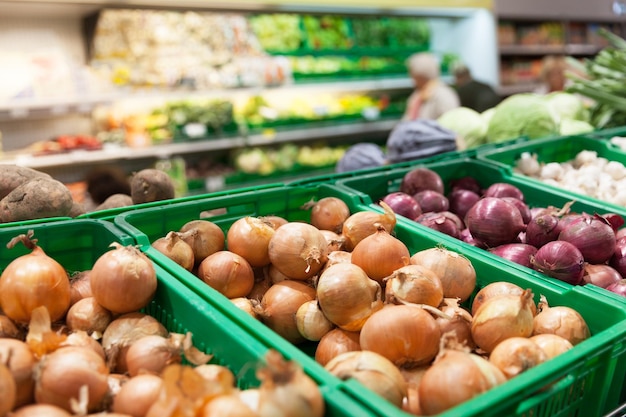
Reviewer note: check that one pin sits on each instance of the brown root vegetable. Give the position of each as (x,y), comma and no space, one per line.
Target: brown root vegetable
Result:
(36,199)
(12,176)
(150,185)
(115,201)
(77,209)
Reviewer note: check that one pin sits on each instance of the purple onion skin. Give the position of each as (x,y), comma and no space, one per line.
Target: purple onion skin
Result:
(615,220)
(430,200)
(560,260)
(420,179)
(620,234)
(503,189)
(593,236)
(542,228)
(519,253)
(618,287)
(524,210)
(618,259)
(494,221)
(441,223)
(466,183)
(600,275)
(403,204)
(460,201)
(467,237)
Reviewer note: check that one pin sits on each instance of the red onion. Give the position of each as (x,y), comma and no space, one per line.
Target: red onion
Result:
(600,275)
(618,287)
(618,259)
(621,233)
(593,236)
(440,222)
(520,253)
(523,208)
(542,228)
(419,179)
(403,204)
(460,224)
(494,221)
(430,200)
(503,189)
(615,220)
(466,236)
(460,201)
(466,183)
(561,260)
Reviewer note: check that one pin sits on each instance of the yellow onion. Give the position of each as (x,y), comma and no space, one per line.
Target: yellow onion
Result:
(18,358)
(9,329)
(249,237)
(516,355)
(347,296)
(89,316)
(406,335)
(414,284)
(457,321)
(413,376)
(502,317)
(137,395)
(40,410)
(204,237)
(8,390)
(334,343)
(245,304)
(217,375)
(151,354)
(552,344)
(175,248)
(495,289)
(456,272)
(228,273)
(62,373)
(298,250)
(337,256)
(312,323)
(456,377)
(334,240)
(328,213)
(364,223)
(24,274)
(80,287)
(374,371)
(226,406)
(286,390)
(563,321)
(380,254)
(280,305)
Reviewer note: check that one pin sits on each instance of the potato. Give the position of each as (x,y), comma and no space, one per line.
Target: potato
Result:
(115,201)
(12,176)
(77,209)
(36,199)
(150,185)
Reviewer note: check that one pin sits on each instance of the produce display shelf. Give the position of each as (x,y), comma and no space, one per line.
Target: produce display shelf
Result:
(556,149)
(586,380)
(373,187)
(77,244)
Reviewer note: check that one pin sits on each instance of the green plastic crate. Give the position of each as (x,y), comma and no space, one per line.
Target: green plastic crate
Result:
(554,388)
(557,149)
(77,244)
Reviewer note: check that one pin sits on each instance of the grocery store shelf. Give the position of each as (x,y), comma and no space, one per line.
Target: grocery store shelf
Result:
(569,49)
(268,137)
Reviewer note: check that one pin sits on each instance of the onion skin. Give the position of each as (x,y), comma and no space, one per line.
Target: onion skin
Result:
(466,183)
(495,289)
(432,201)
(123,280)
(458,322)
(228,273)
(516,355)
(420,179)
(226,406)
(618,260)
(40,410)
(524,210)
(334,343)
(561,260)
(440,222)
(176,249)
(329,213)
(312,323)
(8,329)
(347,296)
(380,254)
(503,189)
(63,372)
(494,221)
(403,204)
(137,395)
(364,223)
(204,237)
(374,371)
(563,321)
(502,317)
(80,287)
(460,201)
(520,253)
(414,284)
(298,250)
(8,390)
(456,272)
(593,236)
(33,280)
(553,345)
(280,304)
(542,228)
(151,354)
(89,316)
(601,275)
(249,237)
(406,335)
(441,389)
(618,287)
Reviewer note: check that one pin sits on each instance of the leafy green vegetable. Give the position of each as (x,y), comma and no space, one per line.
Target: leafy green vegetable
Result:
(574,127)
(525,114)
(467,123)
(567,106)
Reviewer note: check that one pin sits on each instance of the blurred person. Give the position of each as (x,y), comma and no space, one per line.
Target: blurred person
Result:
(432,97)
(474,94)
(553,69)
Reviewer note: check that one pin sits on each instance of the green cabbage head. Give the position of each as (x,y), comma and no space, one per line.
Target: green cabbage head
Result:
(466,123)
(574,127)
(567,106)
(525,114)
